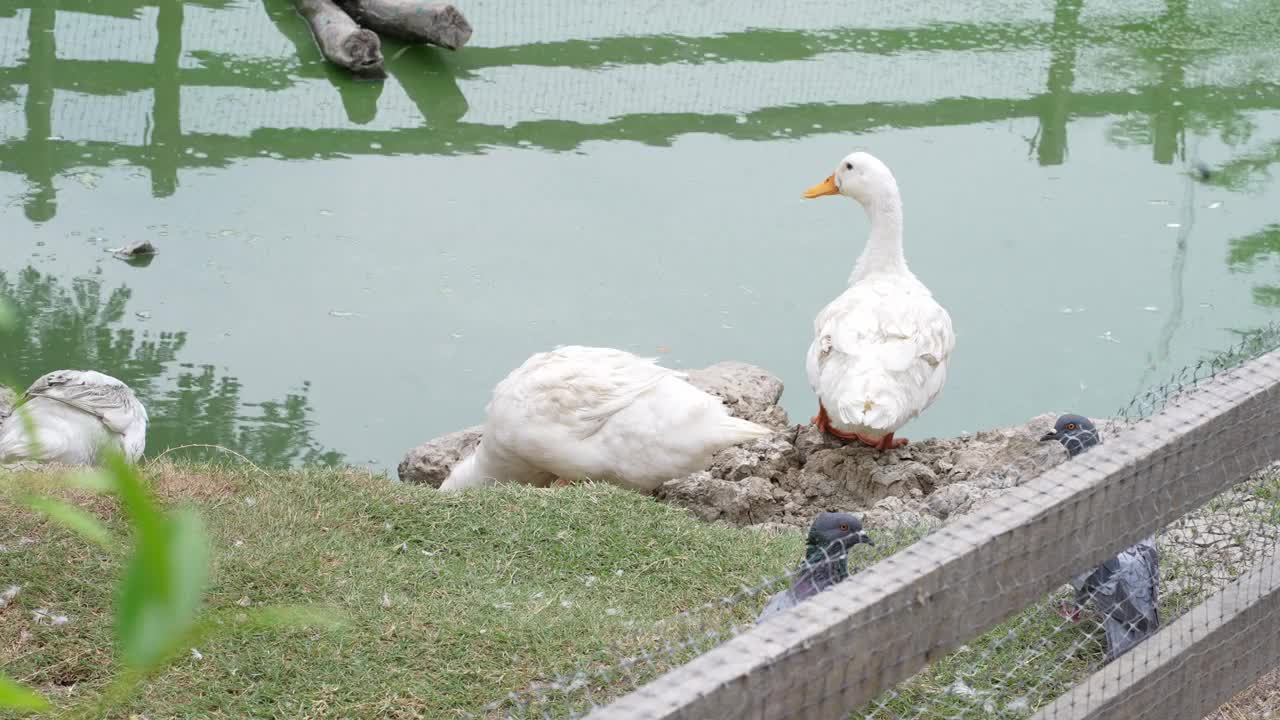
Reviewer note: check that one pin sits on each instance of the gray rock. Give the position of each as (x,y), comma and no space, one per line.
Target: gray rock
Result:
(895,513)
(772,528)
(789,477)
(952,499)
(746,502)
(430,462)
(938,479)
(749,392)
(7,399)
(769,458)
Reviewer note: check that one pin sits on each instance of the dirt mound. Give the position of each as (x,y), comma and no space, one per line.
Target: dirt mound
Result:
(791,476)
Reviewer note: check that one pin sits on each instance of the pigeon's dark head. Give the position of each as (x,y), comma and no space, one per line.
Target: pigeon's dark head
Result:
(837,527)
(1076,433)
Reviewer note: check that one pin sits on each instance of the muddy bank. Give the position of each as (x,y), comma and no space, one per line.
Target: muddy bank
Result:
(789,477)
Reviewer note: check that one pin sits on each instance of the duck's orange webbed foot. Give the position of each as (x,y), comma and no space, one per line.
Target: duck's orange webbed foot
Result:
(823,423)
(888,442)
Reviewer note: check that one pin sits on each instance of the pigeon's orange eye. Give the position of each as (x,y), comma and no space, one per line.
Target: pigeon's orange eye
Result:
(1071,426)
(844,527)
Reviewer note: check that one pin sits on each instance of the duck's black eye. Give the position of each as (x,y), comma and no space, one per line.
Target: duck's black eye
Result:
(1071,426)
(848,166)
(844,527)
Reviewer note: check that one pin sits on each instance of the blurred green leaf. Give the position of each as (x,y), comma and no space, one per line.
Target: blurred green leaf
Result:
(16,697)
(29,427)
(165,577)
(143,514)
(162,588)
(73,518)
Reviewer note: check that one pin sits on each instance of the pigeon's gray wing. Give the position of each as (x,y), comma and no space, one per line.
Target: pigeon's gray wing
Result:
(1128,597)
(111,402)
(811,581)
(781,602)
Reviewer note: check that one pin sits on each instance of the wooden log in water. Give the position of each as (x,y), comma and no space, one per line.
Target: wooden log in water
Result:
(412,20)
(341,40)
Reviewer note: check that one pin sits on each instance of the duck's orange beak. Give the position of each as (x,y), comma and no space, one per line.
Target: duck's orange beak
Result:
(826,187)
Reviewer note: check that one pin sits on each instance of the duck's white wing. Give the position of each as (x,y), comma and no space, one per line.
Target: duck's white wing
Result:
(603,414)
(577,388)
(102,396)
(6,403)
(879,355)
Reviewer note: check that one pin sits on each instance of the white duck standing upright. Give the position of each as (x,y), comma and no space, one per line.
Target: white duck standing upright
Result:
(75,413)
(602,414)
(880,350)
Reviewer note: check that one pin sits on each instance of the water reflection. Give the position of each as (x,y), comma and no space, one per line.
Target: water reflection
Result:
(1249,170)
(1251,250)
(79,325)
(210,108)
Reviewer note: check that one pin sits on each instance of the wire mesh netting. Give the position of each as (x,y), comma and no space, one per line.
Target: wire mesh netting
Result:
(1037,654)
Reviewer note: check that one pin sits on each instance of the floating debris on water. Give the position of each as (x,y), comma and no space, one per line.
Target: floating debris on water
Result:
(1215,204)
(1107,336)
(88,180)
(142,247)
(1151,308)
(1173,225)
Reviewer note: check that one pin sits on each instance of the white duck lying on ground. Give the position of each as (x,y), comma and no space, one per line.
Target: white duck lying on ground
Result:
(880,350)
(600,414)
(76,413)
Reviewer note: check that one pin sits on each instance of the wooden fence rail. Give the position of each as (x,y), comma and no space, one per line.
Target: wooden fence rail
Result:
(842,648)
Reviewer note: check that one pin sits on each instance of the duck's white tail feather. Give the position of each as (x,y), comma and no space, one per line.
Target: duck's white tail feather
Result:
(736,430)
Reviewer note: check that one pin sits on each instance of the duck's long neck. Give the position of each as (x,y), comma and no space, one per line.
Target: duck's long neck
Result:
(475,470)
(883,253)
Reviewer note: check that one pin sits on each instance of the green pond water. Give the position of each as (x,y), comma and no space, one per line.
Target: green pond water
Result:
(346,269)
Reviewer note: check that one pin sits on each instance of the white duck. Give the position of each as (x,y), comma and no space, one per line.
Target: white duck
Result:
(601,414)
(75,414)
(880,350)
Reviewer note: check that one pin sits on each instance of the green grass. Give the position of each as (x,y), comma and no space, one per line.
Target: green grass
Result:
(450,601)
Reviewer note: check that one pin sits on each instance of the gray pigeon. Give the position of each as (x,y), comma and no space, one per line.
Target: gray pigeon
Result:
(1124,588)
(826,560)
